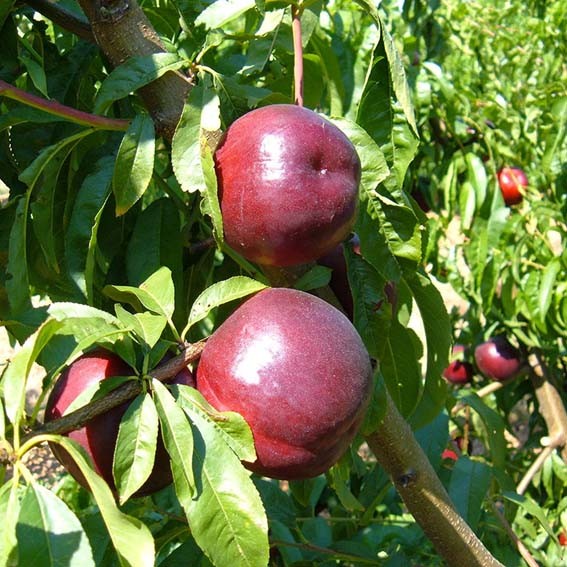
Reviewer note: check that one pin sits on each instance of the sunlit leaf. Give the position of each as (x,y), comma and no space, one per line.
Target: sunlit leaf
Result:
(134,163)
(220,293)
(135,446)
(131,538)
(49,533)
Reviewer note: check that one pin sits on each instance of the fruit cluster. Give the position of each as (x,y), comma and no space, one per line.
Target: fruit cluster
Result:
(290,363)
(496,358)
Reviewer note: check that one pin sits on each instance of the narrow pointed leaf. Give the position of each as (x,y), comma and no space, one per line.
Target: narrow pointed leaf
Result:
(134,163)
(136,72)
(156,294)
(178,439)
(49,533)
(131,538)
(230,425)
(136,444)
(220,293)
(227,517)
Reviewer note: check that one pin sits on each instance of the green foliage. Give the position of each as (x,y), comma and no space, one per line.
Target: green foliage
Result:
(116,239)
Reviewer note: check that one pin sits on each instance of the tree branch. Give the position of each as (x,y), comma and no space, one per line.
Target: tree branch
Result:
(550,404)
(127,391)
(398,452)
(63,18)
(122,30)
(66,112)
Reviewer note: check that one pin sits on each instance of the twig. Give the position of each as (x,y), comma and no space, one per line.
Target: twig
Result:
(297,54)
(534,468)
(63,18)
(125,392)
(66,112)
(522,549)
(550,404)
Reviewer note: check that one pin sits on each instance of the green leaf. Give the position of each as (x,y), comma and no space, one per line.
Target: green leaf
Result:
(15,377)
(210,204)
(438,336)
(201,114)
(5,9)
(81,237)
(372,313)
(316,277)
(547,287)
(470,481)
(178,439)
(227,517)
(532,508)
(220,293)
(156,293)
(134,163)
(400,368)
(136,72)
(433,438)
(49,533)
(9,510)
(131,538)
(398,77)
(17,282)
(229,425)
(156,241)
(46,210)
(147,326)
(221,12)
(493,424)
(135,448)
(476,175)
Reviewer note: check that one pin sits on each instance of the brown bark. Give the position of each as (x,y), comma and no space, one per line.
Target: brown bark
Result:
(398,452)
(122,30)
(551,405)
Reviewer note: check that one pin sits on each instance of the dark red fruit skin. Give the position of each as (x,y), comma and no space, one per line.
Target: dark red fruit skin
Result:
(296,369)
(98,437)
(288,185)
(511,181)
(498,359)
(458,371)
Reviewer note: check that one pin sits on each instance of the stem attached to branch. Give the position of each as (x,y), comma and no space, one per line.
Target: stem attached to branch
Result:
(398,452)
(127,391)
(66,112)
(297,54)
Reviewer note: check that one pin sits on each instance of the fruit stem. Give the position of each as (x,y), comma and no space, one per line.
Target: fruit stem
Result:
(76,419)
(399,454)
(296,12)
(66,112)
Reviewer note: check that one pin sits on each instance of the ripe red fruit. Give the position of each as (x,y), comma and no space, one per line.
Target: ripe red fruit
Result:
(98,436)
(296,369)
(288,185)
(563,539)
(512,180)
(458,371)
(498,359)
(449,454)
